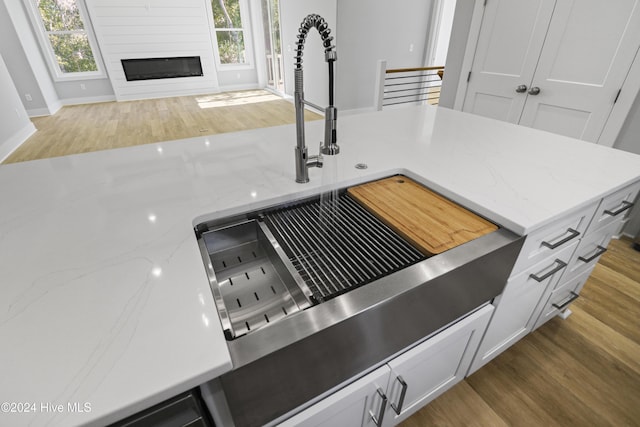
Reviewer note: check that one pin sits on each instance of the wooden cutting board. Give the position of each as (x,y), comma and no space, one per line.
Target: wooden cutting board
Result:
(429,221)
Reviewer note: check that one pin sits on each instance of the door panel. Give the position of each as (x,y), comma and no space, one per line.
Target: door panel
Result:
(589,49)
(572,123)
(354,405)
(433,367)
(509,44)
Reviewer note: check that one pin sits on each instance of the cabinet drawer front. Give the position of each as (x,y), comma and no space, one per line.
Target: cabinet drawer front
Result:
(554,237)
(615,206)
(539,276)
(561,297)
(589,251)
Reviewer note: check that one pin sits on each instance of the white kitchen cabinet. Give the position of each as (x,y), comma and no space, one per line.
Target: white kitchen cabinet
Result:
(516,305)
(434,366)
(360,403)
(550,240)
(403,385)
(560,298)
(588,253)
(615,206)
(569,248)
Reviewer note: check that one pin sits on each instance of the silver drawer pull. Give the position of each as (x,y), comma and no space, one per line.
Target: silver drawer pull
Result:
(599,251)
(403,393)
(560,266)
(572,235)
(564,305)
(623,207)
(377,420)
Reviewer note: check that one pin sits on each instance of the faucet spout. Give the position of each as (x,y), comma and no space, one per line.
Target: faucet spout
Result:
(329,147)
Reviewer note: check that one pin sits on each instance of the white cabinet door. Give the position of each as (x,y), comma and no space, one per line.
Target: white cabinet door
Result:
(431,368)
(509,44)
(396,390)
(363,402)
(515,307)
(573,56)
(588,50)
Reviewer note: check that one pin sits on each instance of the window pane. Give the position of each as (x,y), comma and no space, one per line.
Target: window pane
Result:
(60,15)
(231,47)
(73,52)
(226,13)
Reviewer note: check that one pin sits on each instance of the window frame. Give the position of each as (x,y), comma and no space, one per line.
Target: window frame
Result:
(49,54)
(247,36)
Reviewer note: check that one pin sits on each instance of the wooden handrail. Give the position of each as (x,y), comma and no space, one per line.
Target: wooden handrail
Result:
(407,70)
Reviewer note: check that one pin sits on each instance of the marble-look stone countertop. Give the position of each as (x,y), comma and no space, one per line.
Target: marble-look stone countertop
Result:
(104,299)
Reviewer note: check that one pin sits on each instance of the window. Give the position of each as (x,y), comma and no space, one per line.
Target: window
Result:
(64,38)
(229,31)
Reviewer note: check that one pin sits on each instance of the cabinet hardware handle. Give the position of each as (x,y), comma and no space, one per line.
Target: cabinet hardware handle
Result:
(624,206)
(521,89)
(560,266)
(599,251)
(572,235)
(534,90)
(564,305)
(403,393)
(377,420)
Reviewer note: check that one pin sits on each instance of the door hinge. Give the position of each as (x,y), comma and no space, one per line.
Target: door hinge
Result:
(469,76)
(617,95)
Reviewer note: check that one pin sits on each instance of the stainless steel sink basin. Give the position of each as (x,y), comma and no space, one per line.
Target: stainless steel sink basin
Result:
(251,284)
(311,297)
(273,263)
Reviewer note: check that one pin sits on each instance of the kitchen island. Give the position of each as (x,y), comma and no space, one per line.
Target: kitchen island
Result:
(104,299)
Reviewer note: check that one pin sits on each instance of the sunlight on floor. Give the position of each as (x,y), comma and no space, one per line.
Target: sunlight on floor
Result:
(235,98)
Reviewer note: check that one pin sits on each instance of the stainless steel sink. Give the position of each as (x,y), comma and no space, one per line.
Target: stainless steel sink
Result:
(311,297)
(279,261)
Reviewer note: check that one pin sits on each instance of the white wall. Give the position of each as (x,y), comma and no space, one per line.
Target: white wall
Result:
(26,65)
(15,126)
(316,74)
(371,31)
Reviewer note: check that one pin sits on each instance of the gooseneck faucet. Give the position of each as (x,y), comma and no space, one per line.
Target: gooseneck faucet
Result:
(329,146)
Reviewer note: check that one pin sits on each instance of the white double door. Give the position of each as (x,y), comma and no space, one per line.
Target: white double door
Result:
(555,65)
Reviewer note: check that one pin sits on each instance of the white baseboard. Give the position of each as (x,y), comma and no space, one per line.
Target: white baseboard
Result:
(233,88)
(45,111)
(167,94)
(356,111)
(88,100)
(38,112)
(10,145)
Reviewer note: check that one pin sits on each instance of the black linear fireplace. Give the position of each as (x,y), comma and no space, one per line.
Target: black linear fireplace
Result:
(161,68)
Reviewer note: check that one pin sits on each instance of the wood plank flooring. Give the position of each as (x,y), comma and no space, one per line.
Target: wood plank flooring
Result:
(101,126)
(583,371)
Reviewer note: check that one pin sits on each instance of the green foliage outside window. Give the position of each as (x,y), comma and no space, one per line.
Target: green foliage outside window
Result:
(65,31)
(229,31)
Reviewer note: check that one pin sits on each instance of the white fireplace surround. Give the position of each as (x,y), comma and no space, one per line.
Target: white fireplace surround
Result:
(135,29)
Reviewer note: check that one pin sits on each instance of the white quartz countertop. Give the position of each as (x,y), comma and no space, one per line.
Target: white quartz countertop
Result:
(104,300)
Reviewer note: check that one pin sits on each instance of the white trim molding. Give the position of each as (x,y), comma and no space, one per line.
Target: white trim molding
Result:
(16,140)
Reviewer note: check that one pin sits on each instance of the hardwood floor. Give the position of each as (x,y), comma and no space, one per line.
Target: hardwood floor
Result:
(583,371)
(101,126)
